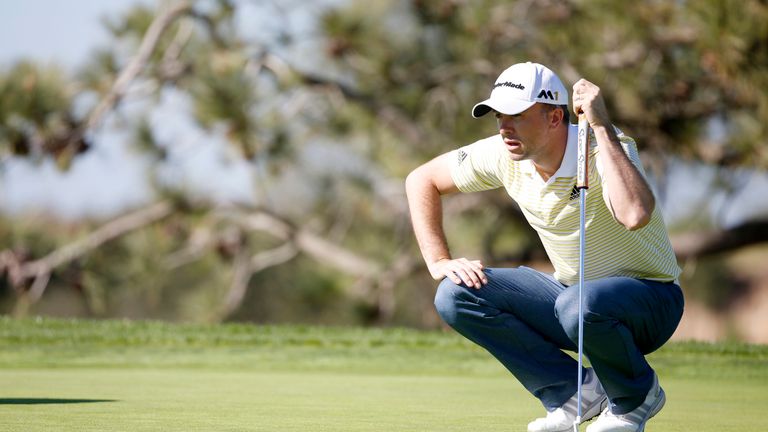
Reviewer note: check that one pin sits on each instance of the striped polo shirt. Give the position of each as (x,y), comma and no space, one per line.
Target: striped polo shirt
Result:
(552,209)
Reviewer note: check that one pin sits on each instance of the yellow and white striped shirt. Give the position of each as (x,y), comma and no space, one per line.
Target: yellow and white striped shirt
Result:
(552,209)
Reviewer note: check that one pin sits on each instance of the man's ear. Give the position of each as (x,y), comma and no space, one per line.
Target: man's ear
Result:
(557,117)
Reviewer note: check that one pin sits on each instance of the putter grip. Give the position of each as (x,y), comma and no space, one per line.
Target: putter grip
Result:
(582,170)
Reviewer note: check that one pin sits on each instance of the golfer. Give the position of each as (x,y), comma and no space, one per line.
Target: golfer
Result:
(526,318)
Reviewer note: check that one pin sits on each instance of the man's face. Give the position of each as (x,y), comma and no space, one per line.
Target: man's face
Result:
(524,134)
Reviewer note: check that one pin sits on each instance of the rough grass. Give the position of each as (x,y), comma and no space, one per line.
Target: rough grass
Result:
(146,376)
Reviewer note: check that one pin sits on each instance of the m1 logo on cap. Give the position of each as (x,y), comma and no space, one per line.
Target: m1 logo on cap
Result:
(547,94)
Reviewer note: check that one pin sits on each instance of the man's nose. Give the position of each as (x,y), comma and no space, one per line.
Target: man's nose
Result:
(505,123)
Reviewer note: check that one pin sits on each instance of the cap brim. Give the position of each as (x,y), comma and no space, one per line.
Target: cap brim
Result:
(511,107)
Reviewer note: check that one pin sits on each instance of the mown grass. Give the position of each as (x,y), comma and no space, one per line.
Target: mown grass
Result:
(52,343)
(45,342)
(145,376)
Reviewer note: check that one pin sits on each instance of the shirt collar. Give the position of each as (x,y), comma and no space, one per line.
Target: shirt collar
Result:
(568,165)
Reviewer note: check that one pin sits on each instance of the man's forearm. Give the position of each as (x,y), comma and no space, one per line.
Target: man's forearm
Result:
(424,188)
(427,218)
(631,199)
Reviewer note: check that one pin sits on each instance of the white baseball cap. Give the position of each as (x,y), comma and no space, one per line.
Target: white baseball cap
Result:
(521,86)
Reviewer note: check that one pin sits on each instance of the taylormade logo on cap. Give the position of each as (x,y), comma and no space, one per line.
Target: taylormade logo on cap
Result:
(509,84)
(521,86)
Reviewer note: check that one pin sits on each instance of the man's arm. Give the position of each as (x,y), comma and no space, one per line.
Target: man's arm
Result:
(630,199)
(425,186)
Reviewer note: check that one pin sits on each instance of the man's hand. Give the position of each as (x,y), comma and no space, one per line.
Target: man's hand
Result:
(588,99)
(459,270)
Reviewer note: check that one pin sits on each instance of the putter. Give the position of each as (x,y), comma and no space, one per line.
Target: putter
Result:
(582,184)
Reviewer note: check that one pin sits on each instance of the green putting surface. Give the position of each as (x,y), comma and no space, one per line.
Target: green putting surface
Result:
(145,376)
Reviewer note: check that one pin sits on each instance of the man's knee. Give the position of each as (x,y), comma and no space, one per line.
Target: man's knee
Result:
(597,309)
(446,301)
(567,312)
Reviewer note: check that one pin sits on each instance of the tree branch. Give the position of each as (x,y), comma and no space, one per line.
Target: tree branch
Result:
(312,244)
(39,270)
(245,267)
(159,25)
(149,42)
(692,245)
(170,66)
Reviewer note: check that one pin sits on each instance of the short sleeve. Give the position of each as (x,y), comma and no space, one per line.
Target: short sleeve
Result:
(479,166)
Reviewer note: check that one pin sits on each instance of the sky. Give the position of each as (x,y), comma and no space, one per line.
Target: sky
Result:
(57,31)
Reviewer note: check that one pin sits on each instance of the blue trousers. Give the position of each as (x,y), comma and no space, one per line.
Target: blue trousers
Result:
(526,319)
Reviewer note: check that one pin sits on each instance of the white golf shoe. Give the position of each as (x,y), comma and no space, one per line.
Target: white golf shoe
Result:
(633,421)
(593,400)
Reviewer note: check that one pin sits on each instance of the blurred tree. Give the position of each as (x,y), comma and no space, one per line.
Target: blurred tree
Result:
(391,86)
(36,114)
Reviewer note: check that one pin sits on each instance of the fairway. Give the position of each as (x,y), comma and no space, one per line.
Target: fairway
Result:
(122,376)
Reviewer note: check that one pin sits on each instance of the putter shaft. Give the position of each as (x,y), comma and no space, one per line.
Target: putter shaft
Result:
(582,183)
